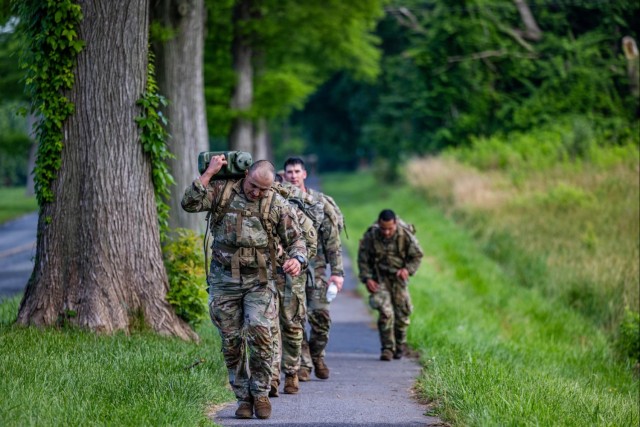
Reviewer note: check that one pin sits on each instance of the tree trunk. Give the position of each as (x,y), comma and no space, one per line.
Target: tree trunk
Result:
(261,143)
(179,68)
(241,128)
(98,259)
(31,163)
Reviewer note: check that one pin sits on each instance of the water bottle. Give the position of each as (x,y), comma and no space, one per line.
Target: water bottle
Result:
(332,291)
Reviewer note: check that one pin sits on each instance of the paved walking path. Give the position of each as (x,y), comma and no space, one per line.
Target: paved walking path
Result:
(17,249)
(361,391)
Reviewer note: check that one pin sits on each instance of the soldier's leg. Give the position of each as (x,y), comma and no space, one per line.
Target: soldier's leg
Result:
(305,357)
(381,301)
(277,349)
(318,315)
(402,309)
(292,315)
(225,310)
(259,314)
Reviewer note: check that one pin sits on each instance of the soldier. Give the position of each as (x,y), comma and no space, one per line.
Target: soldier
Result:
(292,301)
(329,251)
(389,253)
(249,220)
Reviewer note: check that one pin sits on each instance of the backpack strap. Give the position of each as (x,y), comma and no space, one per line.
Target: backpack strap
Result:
(265,209)
(213,217)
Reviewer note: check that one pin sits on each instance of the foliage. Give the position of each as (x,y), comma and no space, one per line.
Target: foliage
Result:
(69,376)
(52,44)
(629,335)
(329,36)
(14,146)
(453,72)
(153,137)
(493,352)
(184,261)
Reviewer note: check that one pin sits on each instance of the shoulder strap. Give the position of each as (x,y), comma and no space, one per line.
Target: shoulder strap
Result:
(265,209)
(213,217)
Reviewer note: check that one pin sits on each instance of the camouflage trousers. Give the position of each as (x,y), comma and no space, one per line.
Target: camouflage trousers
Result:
(393,303)
(244,311)
(314,344)
(287,341)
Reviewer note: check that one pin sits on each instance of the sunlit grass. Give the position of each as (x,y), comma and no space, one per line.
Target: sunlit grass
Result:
(494,353)
(71,377)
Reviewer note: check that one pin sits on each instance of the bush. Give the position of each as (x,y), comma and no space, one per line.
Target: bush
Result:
(184,260)
(628,341)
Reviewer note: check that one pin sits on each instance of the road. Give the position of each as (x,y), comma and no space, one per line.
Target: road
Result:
(17,250)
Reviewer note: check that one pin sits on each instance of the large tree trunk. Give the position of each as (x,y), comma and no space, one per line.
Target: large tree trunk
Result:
(98,260)
(261,143)
(241,129)
(179,67)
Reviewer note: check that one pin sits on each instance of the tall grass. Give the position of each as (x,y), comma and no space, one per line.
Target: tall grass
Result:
(71,377)
(568,228)
(494,353)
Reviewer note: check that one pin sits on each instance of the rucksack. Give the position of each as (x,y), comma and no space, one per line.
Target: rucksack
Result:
(338,217)
(215,216)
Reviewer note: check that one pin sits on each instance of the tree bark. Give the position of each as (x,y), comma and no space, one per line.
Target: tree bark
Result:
(98,259)
(261,144)
(532,31)
(179,69)
(241,136)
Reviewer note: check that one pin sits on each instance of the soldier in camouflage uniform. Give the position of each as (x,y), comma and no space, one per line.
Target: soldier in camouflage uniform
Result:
(329,252)
(292,301)
(249,220)
(387,256)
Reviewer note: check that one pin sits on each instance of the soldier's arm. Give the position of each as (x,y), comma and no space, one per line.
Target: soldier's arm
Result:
(364,260)
(333,247)
(198,198)
(414,255)
(288,230)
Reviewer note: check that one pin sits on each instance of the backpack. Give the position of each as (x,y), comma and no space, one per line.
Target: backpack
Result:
(337,218)
(215,216)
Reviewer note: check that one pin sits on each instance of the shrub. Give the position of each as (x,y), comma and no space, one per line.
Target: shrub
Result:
(628,341)
(184,260)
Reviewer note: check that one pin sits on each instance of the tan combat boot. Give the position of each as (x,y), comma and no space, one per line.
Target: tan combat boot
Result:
(245,410)
(386,355)
(263,407)
(274,389)
(322,370)
(304,374)
(291,384)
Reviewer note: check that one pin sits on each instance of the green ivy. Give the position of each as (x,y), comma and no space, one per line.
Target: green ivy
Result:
(50,29)
(153,136)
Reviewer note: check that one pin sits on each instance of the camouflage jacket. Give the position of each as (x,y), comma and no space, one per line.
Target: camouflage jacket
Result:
(378,256)
(240,229)
(329,244)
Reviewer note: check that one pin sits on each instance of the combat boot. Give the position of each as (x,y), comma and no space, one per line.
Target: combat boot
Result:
(399,352)
(304,374)
(291,384)
(263,407)
(321,369)
(386,355)
(245,410)
(274,389)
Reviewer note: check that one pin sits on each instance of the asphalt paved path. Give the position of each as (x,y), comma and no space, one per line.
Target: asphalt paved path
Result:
(17,250)
(361,390)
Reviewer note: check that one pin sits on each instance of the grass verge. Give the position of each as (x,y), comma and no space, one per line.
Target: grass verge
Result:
(494,353)
(76,378)
(14,203)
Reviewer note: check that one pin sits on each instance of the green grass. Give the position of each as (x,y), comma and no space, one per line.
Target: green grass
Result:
(494,353)
(76,378)
(14,203)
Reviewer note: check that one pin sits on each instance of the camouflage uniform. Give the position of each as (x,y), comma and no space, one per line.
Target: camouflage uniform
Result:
(379,259)
(292,309)
(242,290)
(329,252)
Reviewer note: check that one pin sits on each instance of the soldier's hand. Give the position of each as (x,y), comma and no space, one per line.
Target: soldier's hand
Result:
(215,164)
(292,267)
(338,280)
(372,285)
(403,274)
